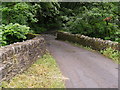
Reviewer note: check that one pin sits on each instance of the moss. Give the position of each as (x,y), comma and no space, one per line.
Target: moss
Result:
(30,36)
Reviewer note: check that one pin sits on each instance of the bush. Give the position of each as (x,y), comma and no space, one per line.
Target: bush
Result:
(39,29)
(90,22)
(14,33)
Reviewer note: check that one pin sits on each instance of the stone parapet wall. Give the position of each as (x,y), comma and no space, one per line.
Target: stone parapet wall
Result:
(17,57)
(94,43)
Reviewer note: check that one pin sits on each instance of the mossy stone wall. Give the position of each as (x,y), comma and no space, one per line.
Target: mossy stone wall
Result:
(94,43)
(17,57)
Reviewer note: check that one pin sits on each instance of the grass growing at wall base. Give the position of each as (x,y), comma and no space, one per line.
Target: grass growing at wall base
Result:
(44,73)
(109,52)
(113,54)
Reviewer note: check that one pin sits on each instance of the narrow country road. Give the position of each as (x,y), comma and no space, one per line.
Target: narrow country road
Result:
(83,68)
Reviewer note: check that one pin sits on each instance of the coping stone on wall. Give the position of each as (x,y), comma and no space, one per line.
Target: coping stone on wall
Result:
(94,43)
(17,57)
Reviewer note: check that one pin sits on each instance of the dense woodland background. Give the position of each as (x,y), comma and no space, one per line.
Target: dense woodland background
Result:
(98,19)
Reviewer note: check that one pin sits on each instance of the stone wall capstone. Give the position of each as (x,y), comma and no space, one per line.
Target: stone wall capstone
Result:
(17,57)
(94,43)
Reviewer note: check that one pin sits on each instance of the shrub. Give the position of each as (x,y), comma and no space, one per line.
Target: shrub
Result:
(42,29)
(14,33)
(90,22)
(39,29)
(2,43)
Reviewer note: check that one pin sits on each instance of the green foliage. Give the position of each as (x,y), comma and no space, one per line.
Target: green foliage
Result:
(42,29)
(14,32)
(113,54)
(89,21)
(76,17)
(0,37)
(21,13)
(39,16)
(2,42)
(38,28)
(47,13)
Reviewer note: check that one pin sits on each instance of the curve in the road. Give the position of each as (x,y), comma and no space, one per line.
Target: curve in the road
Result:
(83,68)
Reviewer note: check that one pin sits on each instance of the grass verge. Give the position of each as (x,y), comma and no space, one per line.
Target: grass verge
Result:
(113,54)
(109,52)
(44,73)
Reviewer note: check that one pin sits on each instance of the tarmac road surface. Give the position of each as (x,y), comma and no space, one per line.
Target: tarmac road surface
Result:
(83,68)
